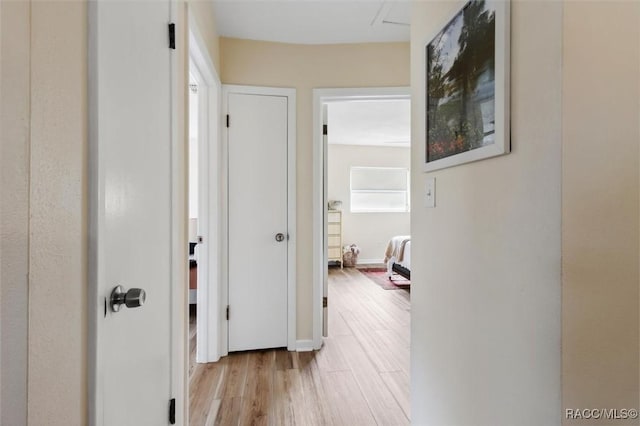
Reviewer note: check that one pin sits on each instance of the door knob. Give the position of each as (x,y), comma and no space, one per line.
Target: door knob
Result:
(132,298)
(279,237)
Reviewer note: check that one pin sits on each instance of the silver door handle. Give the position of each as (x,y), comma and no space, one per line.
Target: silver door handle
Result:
(132,298)
(279,237)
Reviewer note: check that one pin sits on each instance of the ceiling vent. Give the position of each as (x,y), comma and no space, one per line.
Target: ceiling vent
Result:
(393,13)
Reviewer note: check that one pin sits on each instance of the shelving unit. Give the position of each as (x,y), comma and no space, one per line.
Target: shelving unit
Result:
(334,236)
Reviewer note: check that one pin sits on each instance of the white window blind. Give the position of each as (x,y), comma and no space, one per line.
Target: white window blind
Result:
(379,189)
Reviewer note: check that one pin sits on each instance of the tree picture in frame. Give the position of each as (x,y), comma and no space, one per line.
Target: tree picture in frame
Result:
(467,86)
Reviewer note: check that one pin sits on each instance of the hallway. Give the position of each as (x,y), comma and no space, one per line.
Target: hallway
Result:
(359,377)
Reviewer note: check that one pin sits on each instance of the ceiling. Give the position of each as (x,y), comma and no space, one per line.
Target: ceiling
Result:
(372,122)
(314,21)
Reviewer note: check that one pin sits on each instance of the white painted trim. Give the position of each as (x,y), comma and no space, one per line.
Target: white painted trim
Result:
(292,179)
(290,94)
(201,54)
(209,336)
(304,345)
(325,224)
(95,393)
(179,215)
(321,97)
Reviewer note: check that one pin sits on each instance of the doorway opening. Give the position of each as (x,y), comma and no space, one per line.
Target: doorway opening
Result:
(193,214)
(205,205)
(365,185)
(206,215)
(367,173)
(362,243)
(368,177)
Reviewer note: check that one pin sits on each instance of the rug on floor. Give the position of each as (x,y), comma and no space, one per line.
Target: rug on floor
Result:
(379,276)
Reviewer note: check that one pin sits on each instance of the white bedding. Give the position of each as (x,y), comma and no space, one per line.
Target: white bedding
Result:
(406,259)
(398,247)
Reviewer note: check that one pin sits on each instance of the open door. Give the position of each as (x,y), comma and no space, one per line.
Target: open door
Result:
(132,217)
(325,273)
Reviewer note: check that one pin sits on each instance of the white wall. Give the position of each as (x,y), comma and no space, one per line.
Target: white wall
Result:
(485,326)
(370,231)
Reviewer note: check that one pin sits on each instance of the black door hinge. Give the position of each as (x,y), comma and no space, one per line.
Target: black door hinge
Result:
(325,129)
(172,36)
(227,120)
(172,411)
(325,302)
(227,312)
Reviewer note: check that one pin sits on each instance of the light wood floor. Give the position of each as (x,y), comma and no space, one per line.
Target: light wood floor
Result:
(359,377)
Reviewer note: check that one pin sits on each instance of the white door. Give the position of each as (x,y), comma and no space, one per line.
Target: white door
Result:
(258,222)
(130,218)
(325,221)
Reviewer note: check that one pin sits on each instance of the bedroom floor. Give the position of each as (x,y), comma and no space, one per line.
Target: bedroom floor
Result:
(359,377)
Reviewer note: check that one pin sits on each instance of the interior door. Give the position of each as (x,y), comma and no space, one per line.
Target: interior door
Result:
(325,220)
(258,235)
(130,107)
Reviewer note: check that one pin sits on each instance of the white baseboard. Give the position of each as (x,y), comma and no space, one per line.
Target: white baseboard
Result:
(304,345)
(370,261)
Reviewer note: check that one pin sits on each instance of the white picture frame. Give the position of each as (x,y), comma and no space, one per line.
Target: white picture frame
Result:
(462,122)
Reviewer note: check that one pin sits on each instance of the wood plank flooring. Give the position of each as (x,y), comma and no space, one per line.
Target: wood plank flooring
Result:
(359,377)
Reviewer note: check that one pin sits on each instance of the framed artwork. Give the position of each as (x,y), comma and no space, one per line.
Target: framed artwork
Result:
(467,86)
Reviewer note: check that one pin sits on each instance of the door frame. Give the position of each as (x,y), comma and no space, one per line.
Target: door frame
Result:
(178,247)
(209,336)
(290,94)
(321,97)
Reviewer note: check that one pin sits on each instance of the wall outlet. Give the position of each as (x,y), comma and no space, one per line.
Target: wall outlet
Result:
(430,193)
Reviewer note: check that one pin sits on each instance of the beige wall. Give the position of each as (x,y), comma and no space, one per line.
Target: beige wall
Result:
(43,195)
(57,204)
(485,312)
(14,209)
(306,67)
(600,196)
(44,79)
(370,231)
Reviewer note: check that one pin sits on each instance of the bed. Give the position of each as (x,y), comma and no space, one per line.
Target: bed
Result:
(398,256)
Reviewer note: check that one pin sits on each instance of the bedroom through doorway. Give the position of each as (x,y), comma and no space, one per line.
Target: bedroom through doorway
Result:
(366,295)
